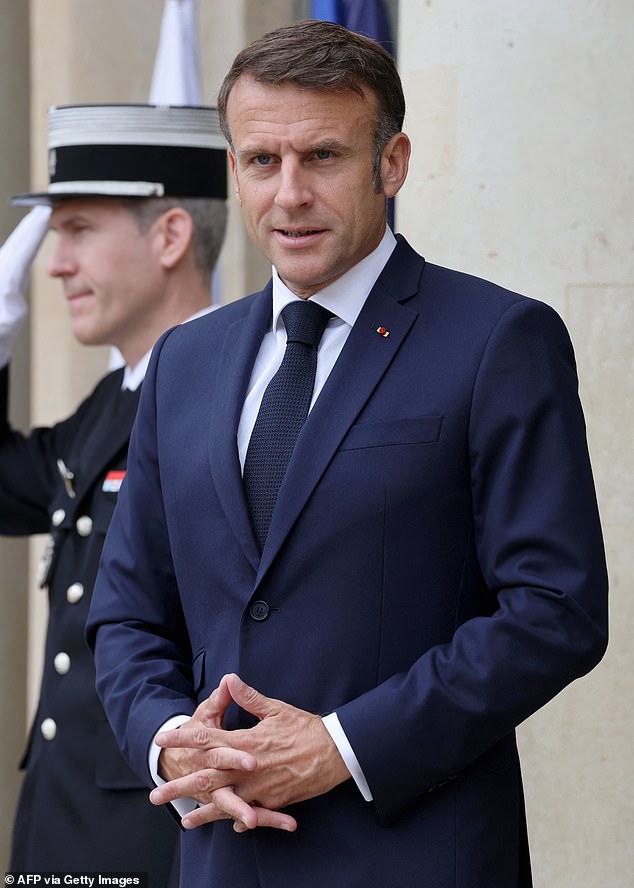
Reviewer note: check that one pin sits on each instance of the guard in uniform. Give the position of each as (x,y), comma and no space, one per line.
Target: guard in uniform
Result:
(162,174)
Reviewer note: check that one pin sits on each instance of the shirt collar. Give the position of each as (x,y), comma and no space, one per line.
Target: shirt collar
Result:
(134,376)
(345,296)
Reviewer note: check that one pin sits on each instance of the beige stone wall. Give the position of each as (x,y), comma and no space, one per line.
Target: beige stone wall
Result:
(522,120)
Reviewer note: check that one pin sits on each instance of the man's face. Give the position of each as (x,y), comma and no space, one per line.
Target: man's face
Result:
(302,169)
(109,270)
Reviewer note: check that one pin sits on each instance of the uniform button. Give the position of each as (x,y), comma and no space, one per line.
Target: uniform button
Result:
(84,525)
(74,593)
(48,729)
(57,517)
(62,662)
(259,610)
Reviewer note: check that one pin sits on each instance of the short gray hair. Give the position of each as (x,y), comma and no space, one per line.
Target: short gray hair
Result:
(209,217)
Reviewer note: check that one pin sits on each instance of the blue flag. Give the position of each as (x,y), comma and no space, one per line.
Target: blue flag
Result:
(370,17)
(329,11)
(367,17)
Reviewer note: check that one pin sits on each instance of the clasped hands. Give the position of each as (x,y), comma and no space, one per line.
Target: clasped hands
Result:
(247,775)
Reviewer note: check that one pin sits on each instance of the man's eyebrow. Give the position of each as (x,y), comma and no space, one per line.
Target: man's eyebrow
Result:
(252,151)
(68,226)
(70,220)
(331,145)
(325,145)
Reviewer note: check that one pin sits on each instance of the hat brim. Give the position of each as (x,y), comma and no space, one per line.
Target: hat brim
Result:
(64,190)
(40,198)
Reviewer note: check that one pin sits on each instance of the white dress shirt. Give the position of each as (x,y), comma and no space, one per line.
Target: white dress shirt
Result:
(345,298)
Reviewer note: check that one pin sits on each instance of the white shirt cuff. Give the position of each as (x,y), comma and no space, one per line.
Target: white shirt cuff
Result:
(184,805)
(333,726)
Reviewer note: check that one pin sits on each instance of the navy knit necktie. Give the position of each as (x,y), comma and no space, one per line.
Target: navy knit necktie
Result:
(282,413)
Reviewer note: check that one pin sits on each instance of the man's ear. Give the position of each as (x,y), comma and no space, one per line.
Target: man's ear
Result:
(395,163)
(174,230)
(234,176)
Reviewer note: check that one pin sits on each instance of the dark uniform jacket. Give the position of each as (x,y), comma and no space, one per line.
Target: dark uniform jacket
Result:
(81,807)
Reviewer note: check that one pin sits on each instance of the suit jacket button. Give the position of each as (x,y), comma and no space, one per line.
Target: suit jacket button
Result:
(61,663)
(84,525)
(259,610)
(74,593)
(48,729)
(57,517)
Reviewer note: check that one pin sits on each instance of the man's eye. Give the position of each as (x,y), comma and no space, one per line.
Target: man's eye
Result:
(262,159)
(323,154)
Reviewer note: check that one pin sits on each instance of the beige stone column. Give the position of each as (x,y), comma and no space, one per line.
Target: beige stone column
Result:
(522,118)
(14,169)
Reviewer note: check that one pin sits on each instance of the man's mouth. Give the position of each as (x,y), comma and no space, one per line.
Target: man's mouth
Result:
(304,232)
(72,297)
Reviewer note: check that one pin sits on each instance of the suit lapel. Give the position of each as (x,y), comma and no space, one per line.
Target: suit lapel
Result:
(364,359)
(240,349)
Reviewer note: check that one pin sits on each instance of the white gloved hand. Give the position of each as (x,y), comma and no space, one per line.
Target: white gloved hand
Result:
(16,255)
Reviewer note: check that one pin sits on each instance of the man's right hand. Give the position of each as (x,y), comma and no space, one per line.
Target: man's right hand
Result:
(206,763)
(183,761)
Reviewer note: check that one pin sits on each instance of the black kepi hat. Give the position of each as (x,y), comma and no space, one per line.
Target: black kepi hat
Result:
(133,151)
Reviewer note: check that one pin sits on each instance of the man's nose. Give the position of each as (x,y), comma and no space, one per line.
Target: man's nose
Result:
(293,186)
(61,262)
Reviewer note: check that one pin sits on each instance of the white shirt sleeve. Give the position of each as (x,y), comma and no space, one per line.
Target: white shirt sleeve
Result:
(333,726)
(185,805)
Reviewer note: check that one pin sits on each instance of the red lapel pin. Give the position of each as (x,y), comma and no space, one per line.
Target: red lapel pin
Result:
(383,332)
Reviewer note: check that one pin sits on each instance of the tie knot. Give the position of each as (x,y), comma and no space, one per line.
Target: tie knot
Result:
(305,321)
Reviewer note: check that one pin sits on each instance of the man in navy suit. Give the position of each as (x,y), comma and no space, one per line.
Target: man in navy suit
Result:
(333,701)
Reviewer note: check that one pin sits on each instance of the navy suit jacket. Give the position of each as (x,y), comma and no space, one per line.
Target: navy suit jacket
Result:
(434,573)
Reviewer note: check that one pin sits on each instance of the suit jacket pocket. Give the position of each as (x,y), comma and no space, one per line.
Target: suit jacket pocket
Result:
(111,769)
(416,430)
